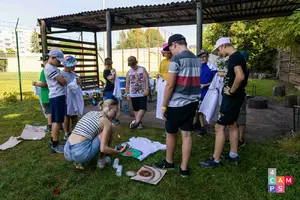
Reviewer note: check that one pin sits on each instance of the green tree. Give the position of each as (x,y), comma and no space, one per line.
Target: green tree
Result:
(245,35)
(35,46)
(10,50)
(130,39)
(282,33)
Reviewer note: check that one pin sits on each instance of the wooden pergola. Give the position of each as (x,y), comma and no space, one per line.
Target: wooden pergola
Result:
(178,13)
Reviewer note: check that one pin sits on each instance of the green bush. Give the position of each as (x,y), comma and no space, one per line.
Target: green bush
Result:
(3,65)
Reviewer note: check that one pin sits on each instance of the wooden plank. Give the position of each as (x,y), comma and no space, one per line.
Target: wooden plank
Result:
(70,47)
(85,60)
(90,82)
(85,65)
(69,40)
(76,53)
(87,71)
(87,77)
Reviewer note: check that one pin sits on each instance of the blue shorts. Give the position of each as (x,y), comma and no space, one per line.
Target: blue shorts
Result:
(109,95)
(58,109)
(82,152)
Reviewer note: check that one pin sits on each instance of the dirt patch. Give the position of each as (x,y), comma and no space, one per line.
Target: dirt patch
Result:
(263,124)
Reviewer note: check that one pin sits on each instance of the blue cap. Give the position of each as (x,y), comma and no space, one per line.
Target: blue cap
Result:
(70,61)
(57,53)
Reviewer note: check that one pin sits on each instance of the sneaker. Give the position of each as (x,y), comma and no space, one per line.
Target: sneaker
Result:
(66,136)
(79,166)
(242,143)
(164,134)
(228,158)
(57,149)
(102,162)
(140,126)
(115,121)
(202,131)
(48,129)
(209,163)
(133,125)
(183,173)
(164,165)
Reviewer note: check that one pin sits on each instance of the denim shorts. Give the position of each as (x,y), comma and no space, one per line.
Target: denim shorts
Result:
(82,152)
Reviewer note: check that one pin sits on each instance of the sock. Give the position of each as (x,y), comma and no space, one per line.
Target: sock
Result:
(233,155)
(216,161)
(55,143)
(67,133)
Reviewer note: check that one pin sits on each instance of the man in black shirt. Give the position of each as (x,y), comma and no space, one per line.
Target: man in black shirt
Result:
(233,97)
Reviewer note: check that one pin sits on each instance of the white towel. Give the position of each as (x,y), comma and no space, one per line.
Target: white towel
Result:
(212,98)
(160,88)
(146,146)
(10,143)
(117,90)
(75,103)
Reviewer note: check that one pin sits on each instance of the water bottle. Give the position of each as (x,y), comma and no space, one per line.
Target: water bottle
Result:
(93,101)
(125,109)
(119,170)
(116,163)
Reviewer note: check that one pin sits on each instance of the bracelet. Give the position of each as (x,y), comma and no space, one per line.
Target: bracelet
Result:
(164,108)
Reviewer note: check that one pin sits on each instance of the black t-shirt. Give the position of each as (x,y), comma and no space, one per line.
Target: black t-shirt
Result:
(109,86)
(236,59)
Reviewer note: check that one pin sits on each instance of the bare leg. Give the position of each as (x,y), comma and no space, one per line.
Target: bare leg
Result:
(136,115)
(140,115)
(186,148)
(67,124)
(242,128)
(74,120)
(171,146)
(234,137)
(201,119)
(49,117)
(220,140)
(55,131)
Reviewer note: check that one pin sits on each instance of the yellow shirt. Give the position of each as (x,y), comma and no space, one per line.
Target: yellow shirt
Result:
(164,68)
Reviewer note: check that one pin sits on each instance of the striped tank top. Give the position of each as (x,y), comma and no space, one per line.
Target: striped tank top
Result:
(89,125)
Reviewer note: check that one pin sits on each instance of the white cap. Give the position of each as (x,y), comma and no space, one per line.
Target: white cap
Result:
(58,54)
(221,41)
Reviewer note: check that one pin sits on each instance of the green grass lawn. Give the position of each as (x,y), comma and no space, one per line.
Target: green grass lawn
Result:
(30,171)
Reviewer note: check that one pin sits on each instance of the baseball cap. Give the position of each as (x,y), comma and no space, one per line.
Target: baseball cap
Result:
(164,46)
(221,41)
(132,60)
(202,52)
(57,53)
(70,61)
(174,38)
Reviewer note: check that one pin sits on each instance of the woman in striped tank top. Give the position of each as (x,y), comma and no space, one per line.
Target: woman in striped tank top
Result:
(92,135)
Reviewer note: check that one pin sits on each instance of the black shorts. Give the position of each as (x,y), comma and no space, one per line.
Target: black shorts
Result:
(58,109)
(180,117)
(139,103)
(230,109)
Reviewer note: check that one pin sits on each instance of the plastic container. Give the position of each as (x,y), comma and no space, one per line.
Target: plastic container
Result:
(119,170)
(94,101)
(116,163)
(122,82)
(125,109)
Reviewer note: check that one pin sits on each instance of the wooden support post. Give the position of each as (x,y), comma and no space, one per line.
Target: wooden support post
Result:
(149,50)
(123,52)
(199,25)
(44,37)
(137,43)
(108,31)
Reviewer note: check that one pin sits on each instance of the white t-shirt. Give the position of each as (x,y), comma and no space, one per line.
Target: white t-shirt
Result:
(160,88)
(56,90)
